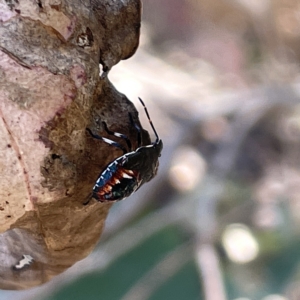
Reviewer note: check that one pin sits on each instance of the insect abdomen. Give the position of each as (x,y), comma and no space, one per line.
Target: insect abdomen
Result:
(115,183)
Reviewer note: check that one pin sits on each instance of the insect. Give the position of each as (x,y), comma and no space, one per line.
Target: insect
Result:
(124,175)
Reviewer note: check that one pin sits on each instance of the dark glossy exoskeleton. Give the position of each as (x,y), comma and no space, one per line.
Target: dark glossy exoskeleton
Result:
(127,173)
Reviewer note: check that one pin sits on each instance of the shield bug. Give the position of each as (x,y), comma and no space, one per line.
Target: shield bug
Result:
(124,175)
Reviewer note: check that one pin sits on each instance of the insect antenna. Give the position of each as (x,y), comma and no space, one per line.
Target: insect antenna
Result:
(138,129)
(148,116)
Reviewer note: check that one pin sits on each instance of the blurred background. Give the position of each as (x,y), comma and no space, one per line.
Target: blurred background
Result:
(222,218)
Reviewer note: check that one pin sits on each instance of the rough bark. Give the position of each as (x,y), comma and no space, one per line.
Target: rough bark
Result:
(50,91)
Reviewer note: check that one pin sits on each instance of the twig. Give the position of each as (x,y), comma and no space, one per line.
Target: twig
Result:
(208,263)
(222,164)
(160,273)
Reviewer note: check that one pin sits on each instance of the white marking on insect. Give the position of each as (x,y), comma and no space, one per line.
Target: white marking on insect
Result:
(25,261)
(108,141)
(125,175)
(99,179)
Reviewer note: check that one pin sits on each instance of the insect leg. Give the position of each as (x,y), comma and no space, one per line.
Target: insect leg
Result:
(88,199)
(121,135)
(108,141)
